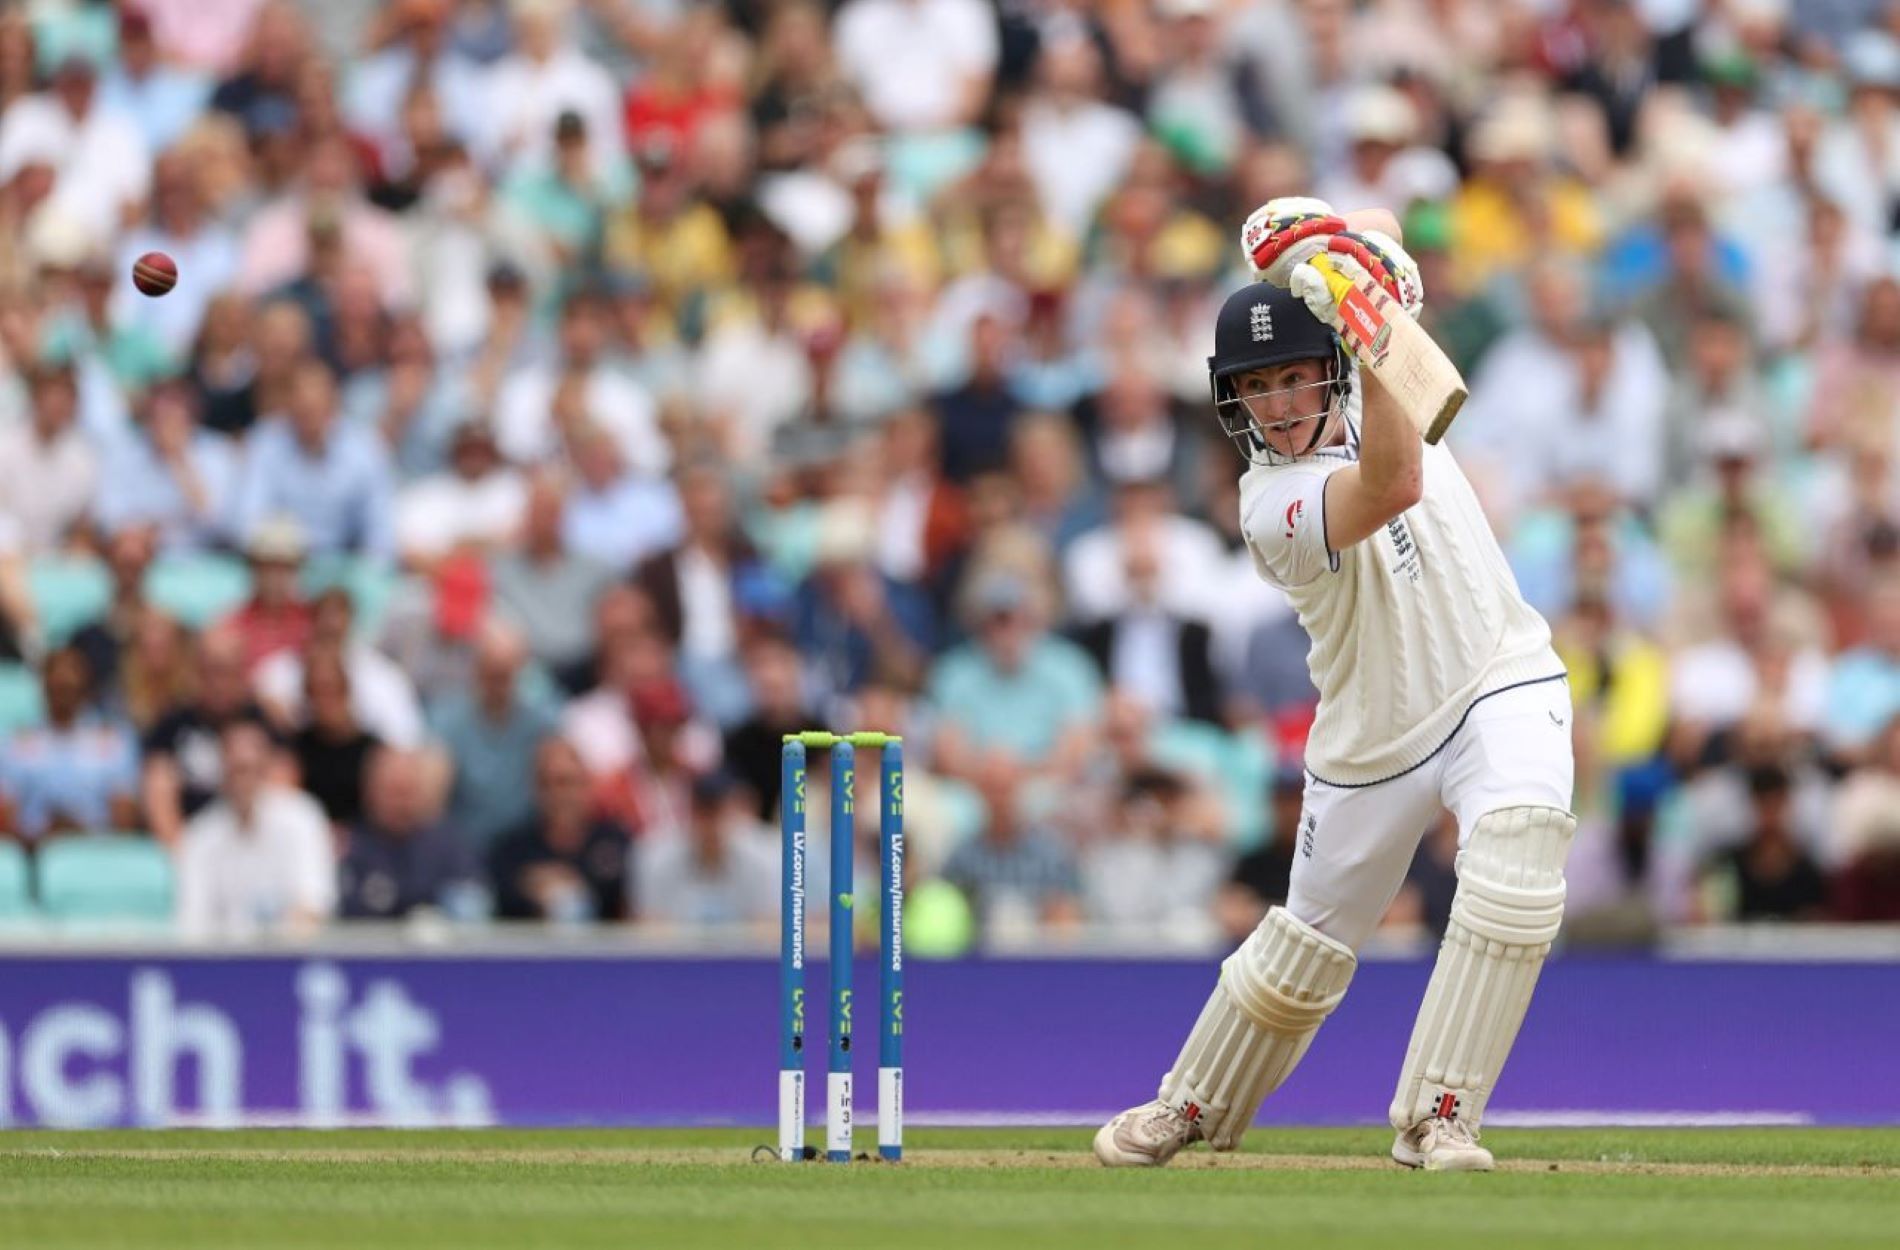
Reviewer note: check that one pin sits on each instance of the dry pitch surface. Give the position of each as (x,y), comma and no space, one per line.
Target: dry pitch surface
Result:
(1733,1188)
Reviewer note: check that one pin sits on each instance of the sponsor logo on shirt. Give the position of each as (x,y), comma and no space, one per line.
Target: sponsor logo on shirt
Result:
(1293,513)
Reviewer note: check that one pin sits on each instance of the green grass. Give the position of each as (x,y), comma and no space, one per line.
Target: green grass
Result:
(361,1190)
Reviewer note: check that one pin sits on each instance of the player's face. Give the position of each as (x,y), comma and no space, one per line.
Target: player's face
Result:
(1285,401)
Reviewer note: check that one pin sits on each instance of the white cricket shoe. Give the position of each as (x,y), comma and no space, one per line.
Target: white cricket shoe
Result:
(1438,1144)
(1144,1137)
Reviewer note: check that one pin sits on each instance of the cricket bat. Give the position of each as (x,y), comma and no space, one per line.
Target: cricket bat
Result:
(1414,370)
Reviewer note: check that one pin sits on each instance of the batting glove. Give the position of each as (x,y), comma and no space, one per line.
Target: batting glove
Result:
(1310,285)
(1285,232)
(1381,255)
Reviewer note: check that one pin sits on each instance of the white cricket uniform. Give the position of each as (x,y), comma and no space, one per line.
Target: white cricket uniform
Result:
(1438,684)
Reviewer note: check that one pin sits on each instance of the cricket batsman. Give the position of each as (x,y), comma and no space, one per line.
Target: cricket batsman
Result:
(1438,689)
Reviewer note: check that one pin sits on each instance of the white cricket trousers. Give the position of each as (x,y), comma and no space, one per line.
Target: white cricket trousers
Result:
(1355,843)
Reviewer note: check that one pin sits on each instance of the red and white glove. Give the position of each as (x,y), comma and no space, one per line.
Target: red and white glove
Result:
(1287,231)
(1382,256)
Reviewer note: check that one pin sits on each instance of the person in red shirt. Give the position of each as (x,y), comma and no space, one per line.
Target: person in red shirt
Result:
(276,617)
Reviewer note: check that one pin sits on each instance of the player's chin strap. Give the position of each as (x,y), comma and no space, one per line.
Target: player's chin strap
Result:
(1506,913)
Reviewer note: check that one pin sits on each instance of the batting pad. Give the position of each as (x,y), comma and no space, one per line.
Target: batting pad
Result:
(1506,913)
(1274,993)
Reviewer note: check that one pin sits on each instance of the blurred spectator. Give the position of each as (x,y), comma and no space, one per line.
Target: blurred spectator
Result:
(382,698)
(79,772)
(169,472)
(1731,484)
(1161,658)
(102,166)
(1144,531)
(1014,686)
(851,620)
(1260,878)
(775,684)
(564,864)
(162,97)
(1864,835)
(696,586)
(180,226)
(1016,873)
(417,56)
(184,761)
(546,75)
(1077,145)
(475,505)
(1157,863)
(276,617)
(542,401)
(325,206)
(546,589)
(333,480)
(721,869)
(490,730)
(128,558)
(333,750)
(399,858)
(1857,379)
(616,516)
(921,66)
(258,861)
(1863,694)
(1769,876)
(49,470)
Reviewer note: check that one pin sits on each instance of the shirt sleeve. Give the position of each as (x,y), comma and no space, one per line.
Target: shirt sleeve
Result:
(316,867)
(1283,515)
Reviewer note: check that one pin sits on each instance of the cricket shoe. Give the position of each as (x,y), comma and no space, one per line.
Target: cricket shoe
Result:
(1442,1144)
(1145,1137)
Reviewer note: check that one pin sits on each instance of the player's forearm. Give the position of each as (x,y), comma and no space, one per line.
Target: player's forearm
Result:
(1391,454)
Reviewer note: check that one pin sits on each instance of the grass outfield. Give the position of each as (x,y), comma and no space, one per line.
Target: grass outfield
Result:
(961,1189)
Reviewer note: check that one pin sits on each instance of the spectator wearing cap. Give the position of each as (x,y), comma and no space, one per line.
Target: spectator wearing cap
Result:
(1381,123)
(163,97)
(78,772)
(48,470)
(850,618)
(721,869)
(1014,686)
(564,863)
(568,198)
(276,617)
(489,730)
(398,857)
(1515,206)
(333,480)
(545,588)
(258,861)
(537,402)
(382,697)
(184,752)
(103,165)
(474,505)
(169,473)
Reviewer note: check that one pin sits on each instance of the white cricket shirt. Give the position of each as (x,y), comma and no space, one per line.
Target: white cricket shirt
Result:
(1409,626)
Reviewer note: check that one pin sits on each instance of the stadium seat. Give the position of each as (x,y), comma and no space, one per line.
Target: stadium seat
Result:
(370,586)
(197,589)
(67,594)
(105,877)
(16,883)
(1237,766)
(21,702)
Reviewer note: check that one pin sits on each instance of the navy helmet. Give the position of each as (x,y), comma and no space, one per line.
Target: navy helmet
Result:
(1260,325)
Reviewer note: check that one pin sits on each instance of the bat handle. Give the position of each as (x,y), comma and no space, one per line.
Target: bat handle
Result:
(1336,282)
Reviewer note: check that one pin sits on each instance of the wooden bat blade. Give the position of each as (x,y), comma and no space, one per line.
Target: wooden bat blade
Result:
(1414,370)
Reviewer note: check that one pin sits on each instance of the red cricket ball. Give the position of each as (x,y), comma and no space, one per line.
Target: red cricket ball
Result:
(154,274)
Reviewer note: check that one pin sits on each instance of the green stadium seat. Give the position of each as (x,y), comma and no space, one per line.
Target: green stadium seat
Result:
(1236,765)
(68,594)
(370,586)
(21,702)
(105,877)
(16,883)
(198,589)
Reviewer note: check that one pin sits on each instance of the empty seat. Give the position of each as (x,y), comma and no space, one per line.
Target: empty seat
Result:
(198,589)
(68,594)
(16,883)
(105,877)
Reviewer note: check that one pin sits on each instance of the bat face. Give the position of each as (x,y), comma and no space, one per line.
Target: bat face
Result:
(1412,368)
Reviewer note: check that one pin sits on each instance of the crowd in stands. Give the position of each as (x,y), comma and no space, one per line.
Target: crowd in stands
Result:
(562,399)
